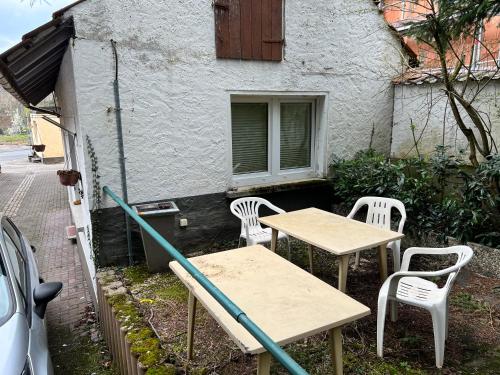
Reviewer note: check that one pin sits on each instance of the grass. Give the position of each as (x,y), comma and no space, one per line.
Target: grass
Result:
(14,139)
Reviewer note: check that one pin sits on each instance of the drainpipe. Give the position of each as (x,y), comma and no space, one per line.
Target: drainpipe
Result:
(119,132)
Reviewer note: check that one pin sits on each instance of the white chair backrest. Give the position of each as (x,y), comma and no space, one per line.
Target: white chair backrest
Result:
(464,255)
(379,211)
(247,210)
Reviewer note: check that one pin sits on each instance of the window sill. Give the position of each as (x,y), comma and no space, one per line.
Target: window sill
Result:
(247,191)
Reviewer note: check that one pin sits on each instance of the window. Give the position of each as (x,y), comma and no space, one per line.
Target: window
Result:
(250,134)
(295,135)
(249,29)
(5,296)
(17,260)
(273,139)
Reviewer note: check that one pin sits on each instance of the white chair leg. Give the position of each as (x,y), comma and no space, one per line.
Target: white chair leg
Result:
(239,242)
(396,255)
(289,252)
(356,260)
(438,324)
(446,321)
(381,311)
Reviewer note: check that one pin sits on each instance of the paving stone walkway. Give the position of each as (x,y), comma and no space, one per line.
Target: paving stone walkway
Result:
(31,195)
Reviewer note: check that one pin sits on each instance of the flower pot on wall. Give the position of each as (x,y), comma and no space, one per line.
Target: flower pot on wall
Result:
(68,177)
(38,148)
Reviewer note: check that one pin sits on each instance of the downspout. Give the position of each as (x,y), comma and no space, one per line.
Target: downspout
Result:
(119,132)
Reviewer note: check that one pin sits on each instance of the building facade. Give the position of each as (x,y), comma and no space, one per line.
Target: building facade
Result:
(483,51)
(217,100)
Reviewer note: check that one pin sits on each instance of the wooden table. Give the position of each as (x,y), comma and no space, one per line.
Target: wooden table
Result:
(333,233)
(285,301)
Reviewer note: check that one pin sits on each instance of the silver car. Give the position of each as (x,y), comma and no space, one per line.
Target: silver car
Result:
(23,300)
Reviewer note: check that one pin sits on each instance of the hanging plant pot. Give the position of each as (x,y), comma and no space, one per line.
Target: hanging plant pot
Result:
(38,148)
(68,177)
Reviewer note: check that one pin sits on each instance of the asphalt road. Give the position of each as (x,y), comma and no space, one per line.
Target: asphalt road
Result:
(14,152)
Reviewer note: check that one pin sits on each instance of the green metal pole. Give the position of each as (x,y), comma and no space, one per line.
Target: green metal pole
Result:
(274,349)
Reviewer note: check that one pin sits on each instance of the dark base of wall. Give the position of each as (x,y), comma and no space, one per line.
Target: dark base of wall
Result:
(209,221)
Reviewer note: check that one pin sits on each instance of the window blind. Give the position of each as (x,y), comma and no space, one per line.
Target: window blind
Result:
(295,135)
(250,137)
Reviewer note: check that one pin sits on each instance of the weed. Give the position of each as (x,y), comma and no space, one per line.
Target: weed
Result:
(467,302)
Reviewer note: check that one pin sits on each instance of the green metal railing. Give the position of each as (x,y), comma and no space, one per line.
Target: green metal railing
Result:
(239,315)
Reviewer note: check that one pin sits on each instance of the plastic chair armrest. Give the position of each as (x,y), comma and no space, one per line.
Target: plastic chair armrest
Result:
(442,272)
(275,208)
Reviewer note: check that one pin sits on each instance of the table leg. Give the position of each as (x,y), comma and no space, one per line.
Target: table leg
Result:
(310,250)
(264,363)
(382,262)
(274,240)
(191,320)
(335,340)
(343,265)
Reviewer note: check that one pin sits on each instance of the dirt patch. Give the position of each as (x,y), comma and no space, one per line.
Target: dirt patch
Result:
(472,347)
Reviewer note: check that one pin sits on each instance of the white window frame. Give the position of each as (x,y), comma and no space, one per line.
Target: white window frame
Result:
(274,174)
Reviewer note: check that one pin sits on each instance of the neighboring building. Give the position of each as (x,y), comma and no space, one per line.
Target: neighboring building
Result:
(484,53)
(44,130)
(217,100)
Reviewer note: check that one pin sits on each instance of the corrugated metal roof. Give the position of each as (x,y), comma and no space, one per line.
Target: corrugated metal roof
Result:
(419,76)
(29,70)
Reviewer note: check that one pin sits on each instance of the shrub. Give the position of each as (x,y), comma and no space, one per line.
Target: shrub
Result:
(440,193)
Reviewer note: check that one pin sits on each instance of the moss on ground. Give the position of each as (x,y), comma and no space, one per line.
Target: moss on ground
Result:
(198,371)
(155,287)
(136,274)
(139,334)
(168,369)
(171,288)
(77,355)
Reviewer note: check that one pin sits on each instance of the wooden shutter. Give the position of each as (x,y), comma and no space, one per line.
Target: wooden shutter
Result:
(249,29)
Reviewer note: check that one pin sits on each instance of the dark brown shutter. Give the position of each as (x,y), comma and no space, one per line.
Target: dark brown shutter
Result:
(249,29)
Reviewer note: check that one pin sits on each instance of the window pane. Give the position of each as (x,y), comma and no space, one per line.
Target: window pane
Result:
(295,135)
(249,131)
(17,262)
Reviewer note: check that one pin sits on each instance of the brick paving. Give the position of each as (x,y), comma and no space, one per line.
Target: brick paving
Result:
(32,196)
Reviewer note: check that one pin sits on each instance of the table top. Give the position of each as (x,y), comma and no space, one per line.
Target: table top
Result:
(334,233)
(285,301)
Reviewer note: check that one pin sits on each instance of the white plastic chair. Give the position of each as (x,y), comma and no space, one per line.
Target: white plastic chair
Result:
(412,288)
(247,210)
(379,215)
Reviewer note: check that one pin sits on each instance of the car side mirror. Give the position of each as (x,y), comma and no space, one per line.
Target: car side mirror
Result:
(43,294)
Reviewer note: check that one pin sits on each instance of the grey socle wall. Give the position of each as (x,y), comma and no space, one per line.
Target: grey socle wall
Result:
(210,221)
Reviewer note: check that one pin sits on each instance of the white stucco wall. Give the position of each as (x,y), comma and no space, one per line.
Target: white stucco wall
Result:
(426,107)
(175,94)
(75,146)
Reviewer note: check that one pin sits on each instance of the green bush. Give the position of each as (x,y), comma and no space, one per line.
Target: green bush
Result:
(440,193)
